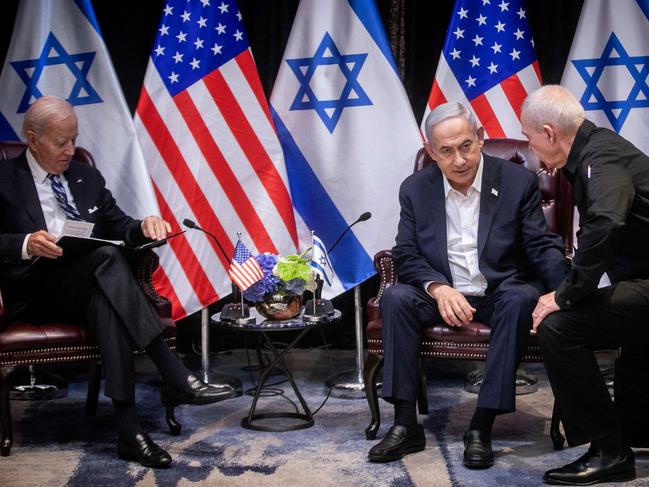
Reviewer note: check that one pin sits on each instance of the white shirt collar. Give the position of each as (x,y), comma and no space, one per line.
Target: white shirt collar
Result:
(477,182)
(38,173)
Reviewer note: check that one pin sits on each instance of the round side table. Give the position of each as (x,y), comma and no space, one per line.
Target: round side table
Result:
(267,328)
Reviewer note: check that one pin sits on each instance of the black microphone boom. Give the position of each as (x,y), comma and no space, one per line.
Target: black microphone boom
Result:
(190,224)
(364,217)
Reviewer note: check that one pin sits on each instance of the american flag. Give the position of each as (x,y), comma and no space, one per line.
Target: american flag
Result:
(211,149)
(244,270)
(488,63)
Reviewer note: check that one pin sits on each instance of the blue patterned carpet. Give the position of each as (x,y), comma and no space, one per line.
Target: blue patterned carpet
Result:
(55,444)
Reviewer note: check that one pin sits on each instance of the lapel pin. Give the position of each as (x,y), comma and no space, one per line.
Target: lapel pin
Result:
(494,191)
(92,210)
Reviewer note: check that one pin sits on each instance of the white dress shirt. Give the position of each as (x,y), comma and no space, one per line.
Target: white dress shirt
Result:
(462,216)
(52,212)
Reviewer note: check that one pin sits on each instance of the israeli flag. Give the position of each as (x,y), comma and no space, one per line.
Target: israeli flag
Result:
(57,49)
(320,261)
(348,132)
(608,64)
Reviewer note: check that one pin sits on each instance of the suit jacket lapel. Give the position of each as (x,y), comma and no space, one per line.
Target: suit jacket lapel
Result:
(488,200)
(27,189)
(438,205)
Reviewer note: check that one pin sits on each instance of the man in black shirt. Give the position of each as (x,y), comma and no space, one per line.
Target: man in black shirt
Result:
(604,301)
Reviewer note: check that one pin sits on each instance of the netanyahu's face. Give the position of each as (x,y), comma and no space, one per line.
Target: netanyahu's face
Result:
(53,147)
(456,148)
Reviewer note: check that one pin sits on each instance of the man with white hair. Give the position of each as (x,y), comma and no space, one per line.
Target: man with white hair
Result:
(39,191)
(472,244)
(604,301)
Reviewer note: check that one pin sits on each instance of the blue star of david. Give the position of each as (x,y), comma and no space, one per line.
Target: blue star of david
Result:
(54,53)
(352,94)
(638,67)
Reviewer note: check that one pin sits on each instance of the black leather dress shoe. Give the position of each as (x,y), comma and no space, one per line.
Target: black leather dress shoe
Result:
(477,449)
(397,443)
(591,468)
(196,392)
(142,449)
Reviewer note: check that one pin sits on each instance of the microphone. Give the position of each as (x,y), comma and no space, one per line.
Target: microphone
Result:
(190,224)
(364,217)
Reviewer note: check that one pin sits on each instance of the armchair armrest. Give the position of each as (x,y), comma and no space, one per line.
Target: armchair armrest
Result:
(144,265)
(384,265)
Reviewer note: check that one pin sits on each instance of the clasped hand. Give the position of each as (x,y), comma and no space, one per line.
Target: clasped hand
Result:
(453,306)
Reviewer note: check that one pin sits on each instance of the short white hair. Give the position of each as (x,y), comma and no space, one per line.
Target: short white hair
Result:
(444,112)
(43,112)
(556,106)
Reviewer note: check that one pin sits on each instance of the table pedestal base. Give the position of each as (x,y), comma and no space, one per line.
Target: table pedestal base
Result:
(306,418)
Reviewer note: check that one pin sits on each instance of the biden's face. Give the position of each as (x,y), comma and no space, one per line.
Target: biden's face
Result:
(53,147)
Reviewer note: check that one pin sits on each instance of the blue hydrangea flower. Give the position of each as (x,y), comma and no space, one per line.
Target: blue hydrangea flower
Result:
(268,284)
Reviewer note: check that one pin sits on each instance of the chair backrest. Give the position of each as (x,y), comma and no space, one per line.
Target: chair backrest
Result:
(556,191)
(10,149)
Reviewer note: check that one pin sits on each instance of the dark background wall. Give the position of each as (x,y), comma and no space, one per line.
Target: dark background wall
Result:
(416,28)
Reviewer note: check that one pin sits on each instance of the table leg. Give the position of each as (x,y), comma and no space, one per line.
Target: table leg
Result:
(307,418)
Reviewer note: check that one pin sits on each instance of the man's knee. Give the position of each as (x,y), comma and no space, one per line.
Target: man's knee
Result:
(396,297)
(107,255)
(550,330)
(522,299)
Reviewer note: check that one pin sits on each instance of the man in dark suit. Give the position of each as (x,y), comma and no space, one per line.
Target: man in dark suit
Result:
(472,244)
(604,301)
(39,191)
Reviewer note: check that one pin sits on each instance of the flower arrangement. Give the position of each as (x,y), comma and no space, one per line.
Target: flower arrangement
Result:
(285,279)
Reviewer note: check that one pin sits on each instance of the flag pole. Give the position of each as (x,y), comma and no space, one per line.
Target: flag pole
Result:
(312,252)
(350,384)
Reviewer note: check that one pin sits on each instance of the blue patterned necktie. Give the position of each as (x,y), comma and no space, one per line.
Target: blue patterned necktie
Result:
(62,198)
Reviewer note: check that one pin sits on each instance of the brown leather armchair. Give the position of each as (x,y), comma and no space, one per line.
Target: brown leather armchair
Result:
(27,344)
(470,342)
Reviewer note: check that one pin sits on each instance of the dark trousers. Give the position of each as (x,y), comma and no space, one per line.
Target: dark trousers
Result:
(406,309)
(608,318)
(100,290)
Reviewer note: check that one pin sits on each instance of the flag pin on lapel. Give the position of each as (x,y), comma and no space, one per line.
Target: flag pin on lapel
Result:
(494,192)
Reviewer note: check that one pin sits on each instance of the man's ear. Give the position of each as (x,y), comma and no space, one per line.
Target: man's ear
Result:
(31,139)
(550,133)
(430,150)
(480,134)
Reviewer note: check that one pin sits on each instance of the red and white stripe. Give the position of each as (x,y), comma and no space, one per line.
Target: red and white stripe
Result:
(246,274)
(214,158)
(497,109)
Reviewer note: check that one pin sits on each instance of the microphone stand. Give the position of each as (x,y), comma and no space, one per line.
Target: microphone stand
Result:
(221,380)
(349,384)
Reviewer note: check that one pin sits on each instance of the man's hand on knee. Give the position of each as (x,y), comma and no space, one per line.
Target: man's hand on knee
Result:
(155,228)
(43,244)
(544,307)
(453,306)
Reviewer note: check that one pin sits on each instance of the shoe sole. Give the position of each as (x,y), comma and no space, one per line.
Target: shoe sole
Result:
(385,459)
(478,465)
(230,395)
(129,454)
(617,477)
